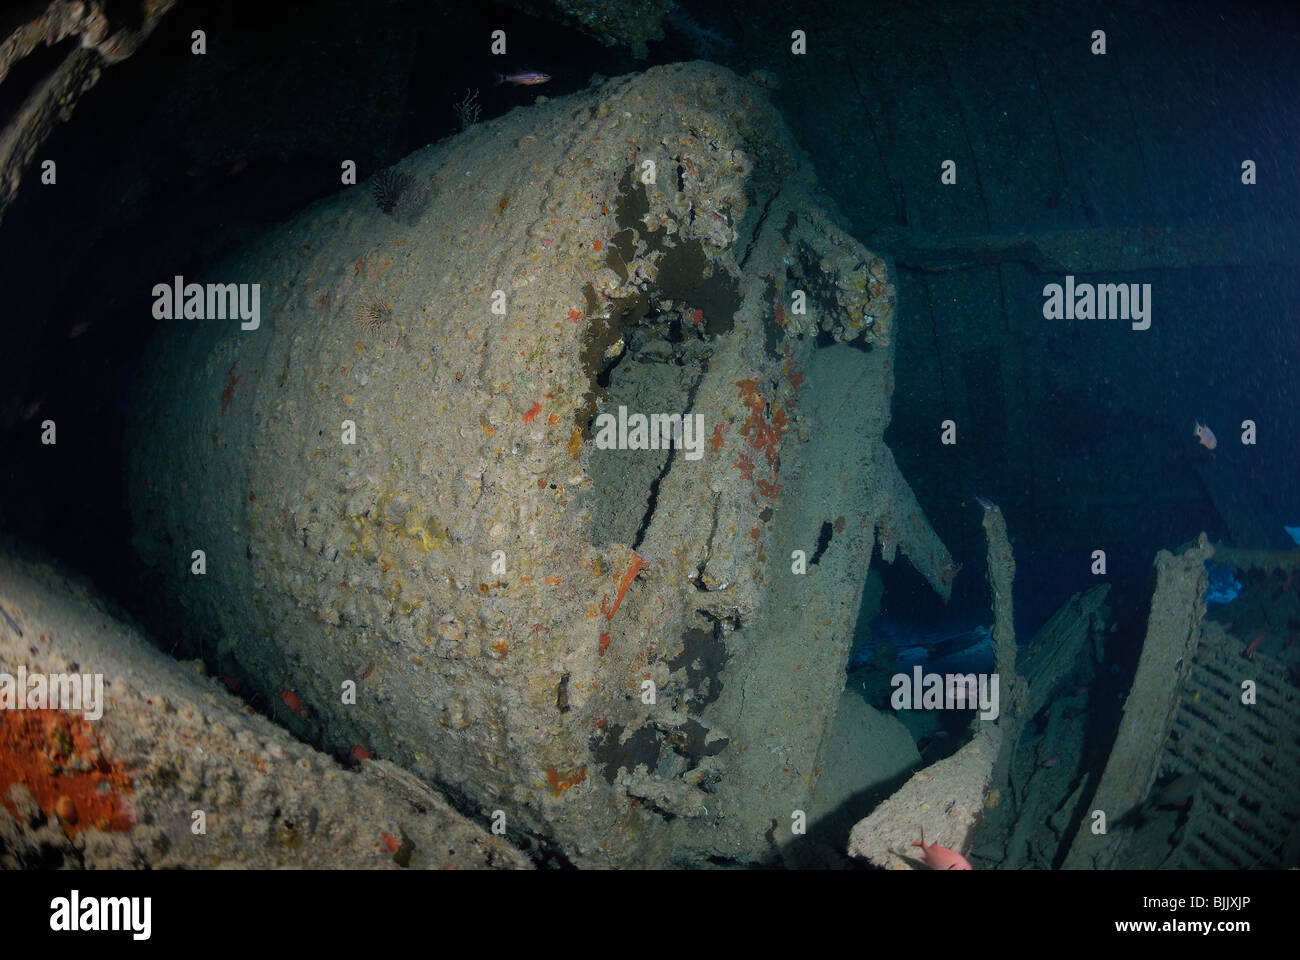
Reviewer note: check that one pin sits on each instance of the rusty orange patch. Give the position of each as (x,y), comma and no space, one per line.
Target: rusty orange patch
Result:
(745,466)
(560,784)
(749,392)
(793,373)
(715,442)
(57,756)
(229,392)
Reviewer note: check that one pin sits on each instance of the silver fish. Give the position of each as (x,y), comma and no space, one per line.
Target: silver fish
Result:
(525,78)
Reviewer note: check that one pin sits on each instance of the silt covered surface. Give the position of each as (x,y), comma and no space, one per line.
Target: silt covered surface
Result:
(608,645)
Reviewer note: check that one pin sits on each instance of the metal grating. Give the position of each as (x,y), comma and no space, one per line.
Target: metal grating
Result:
(1246,756)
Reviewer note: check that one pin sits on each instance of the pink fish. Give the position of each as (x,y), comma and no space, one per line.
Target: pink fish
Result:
(525,78)
(1204,434)
(1051,762)
(941,858)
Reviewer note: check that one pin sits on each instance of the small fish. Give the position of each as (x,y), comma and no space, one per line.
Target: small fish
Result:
(525,78)
(987,505)
(1177,792)
(359,753)
(1051,762)
(941,858)
(1249,652)
(1204,434)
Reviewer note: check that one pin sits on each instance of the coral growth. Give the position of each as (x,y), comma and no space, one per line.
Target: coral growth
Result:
(388,187)
(762,429)
(373,314)
(467,111)
(635,567)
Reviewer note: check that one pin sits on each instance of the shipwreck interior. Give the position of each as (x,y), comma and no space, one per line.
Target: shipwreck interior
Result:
(367,551)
